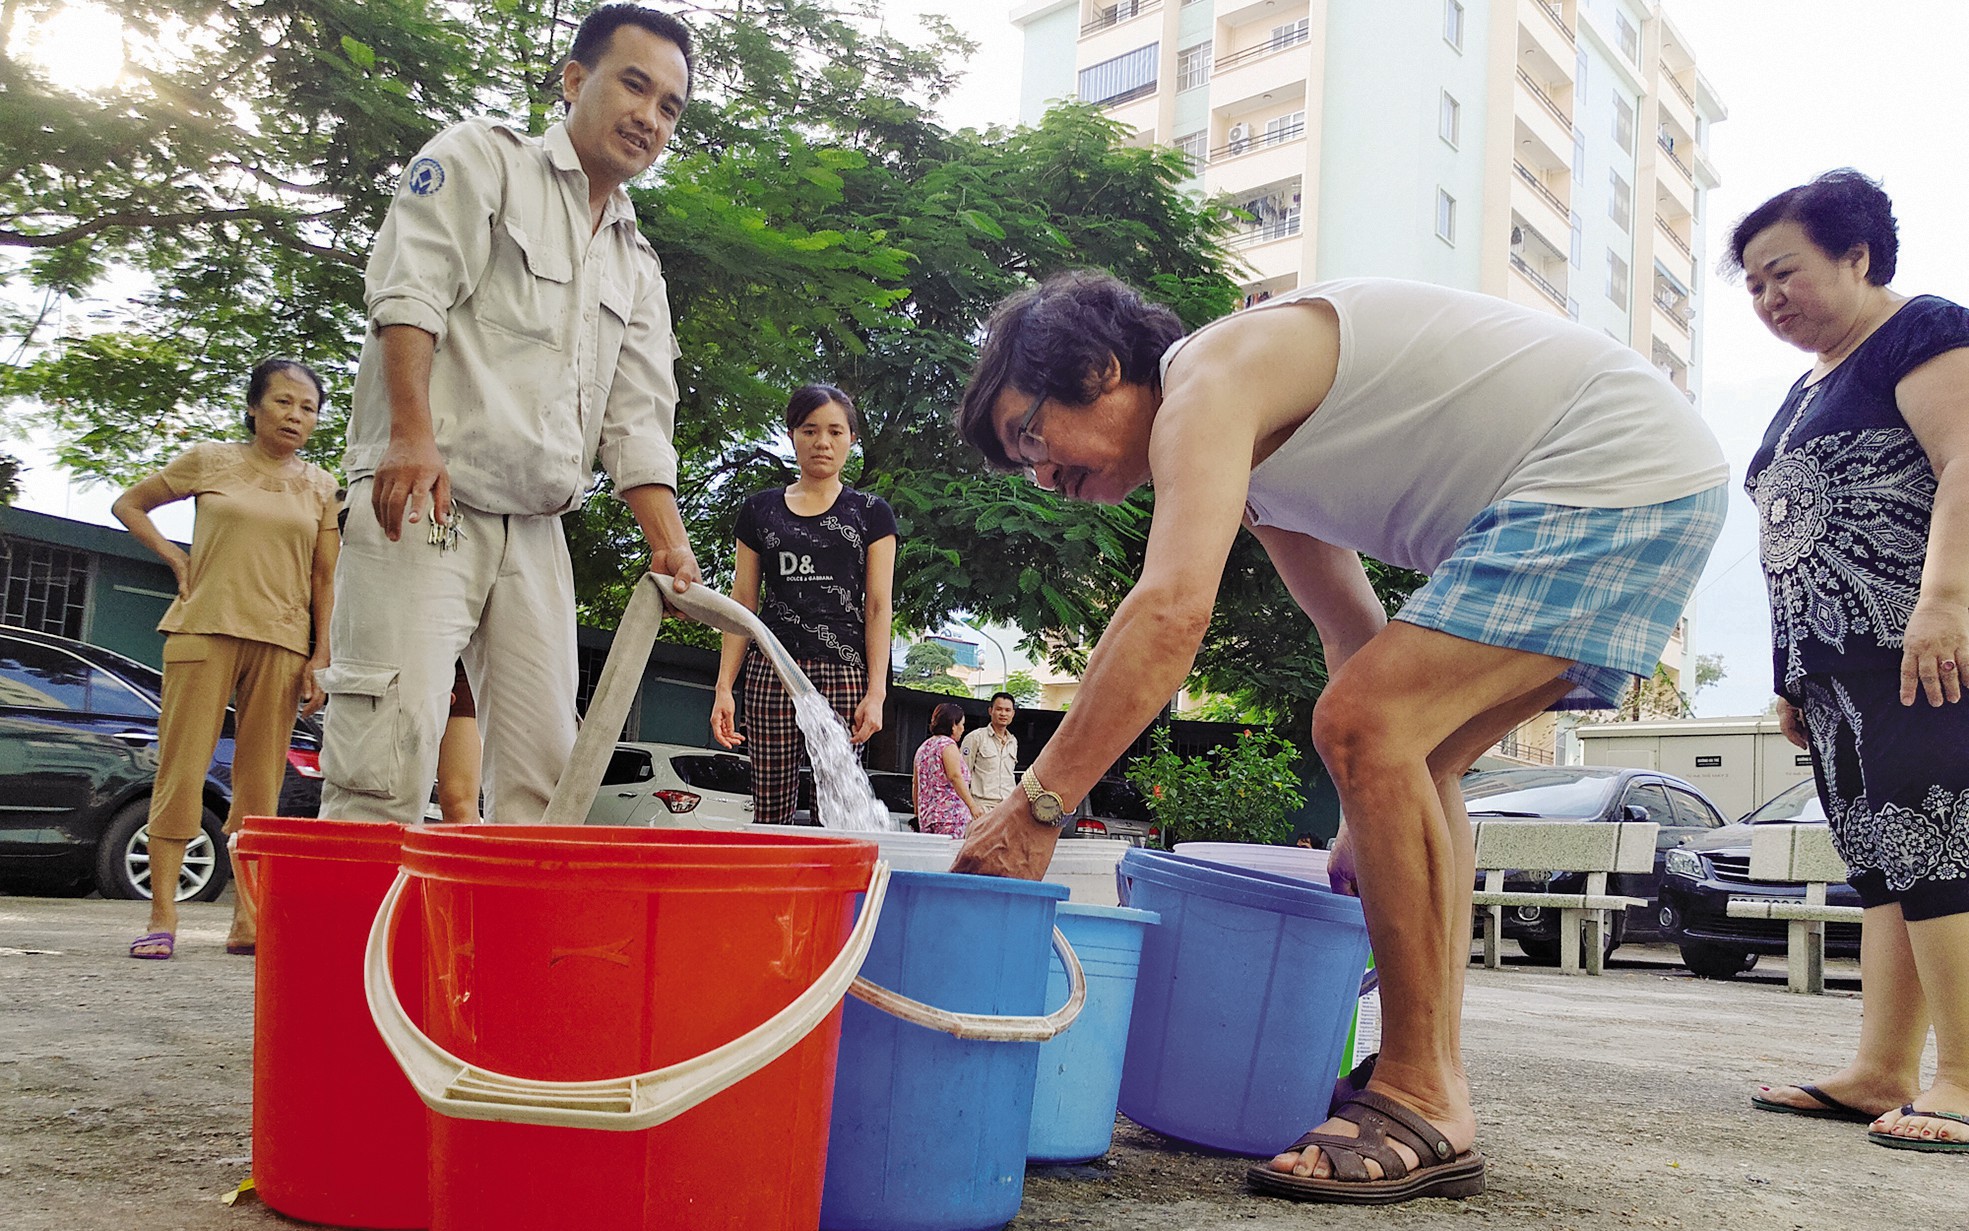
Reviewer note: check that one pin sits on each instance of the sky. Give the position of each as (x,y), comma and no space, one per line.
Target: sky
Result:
(1810,85)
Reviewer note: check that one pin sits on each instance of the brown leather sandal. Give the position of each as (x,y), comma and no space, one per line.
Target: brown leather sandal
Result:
(1442,1172)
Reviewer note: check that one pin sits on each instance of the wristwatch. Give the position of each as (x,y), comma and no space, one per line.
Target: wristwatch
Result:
(1047,807)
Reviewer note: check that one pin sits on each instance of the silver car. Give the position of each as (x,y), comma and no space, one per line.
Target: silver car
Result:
(673,784)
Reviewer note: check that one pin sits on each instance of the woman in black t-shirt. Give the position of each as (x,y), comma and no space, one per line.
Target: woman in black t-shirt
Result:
(826,554)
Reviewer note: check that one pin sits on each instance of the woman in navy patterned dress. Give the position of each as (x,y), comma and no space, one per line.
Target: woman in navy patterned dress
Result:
(1862,491)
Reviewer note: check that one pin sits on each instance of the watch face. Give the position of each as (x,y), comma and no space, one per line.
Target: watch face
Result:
(1046,809)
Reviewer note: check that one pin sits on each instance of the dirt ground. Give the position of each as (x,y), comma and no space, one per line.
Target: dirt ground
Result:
(1617,1102)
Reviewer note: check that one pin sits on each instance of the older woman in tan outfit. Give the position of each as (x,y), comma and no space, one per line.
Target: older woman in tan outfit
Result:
(249,627)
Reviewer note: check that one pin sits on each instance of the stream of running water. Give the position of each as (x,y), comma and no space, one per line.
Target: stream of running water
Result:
(844,798)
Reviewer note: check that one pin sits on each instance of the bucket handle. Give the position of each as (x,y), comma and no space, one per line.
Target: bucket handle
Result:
(1370,980)
(983,1026)
(464,1091)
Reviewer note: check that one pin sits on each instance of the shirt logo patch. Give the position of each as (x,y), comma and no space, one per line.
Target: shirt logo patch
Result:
(425,177)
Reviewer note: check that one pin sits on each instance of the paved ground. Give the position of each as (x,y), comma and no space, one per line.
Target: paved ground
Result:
(1617,1102)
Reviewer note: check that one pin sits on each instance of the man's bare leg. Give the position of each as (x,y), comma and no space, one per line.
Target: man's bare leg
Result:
(1396,727)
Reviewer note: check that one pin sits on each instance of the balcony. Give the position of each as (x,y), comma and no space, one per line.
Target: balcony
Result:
(1544,45)
(1537,185)
(1675,192)
(1675,239)
(1263,233)
(1670,341)
(1676,109)
(1107,16)
(1668,148)
(1538,280)
(1248,73)
(1535,115)
(1257,141)
(1259,51)
(1558,18)
(1544,99)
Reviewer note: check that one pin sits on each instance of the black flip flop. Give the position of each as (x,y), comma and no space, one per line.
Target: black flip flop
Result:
(1832,1108)
(1928,1146)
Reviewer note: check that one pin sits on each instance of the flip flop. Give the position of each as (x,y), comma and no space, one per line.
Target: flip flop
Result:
(1830,1109)
(245,950)
(1915,1143)
(1442,1172)
(154,946)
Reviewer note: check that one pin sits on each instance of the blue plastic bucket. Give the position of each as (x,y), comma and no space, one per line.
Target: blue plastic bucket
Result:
(929,1131)
(1079,1083)
(1243,1003)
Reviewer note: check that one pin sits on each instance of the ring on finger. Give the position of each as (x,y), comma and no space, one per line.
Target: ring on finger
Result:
(1947,664)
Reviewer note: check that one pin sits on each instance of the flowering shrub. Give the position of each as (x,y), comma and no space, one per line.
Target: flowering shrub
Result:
(1242,793)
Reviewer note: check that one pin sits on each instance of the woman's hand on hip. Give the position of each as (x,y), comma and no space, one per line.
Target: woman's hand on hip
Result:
(181,569)
(1935,652)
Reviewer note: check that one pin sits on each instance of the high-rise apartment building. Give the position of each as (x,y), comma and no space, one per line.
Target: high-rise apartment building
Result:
(1551,152)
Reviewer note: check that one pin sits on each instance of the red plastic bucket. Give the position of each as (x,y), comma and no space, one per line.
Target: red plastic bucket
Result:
(572,955)
(338,1133)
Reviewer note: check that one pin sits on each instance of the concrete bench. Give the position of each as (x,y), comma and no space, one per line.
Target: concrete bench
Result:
(1596,848)
(1797,854)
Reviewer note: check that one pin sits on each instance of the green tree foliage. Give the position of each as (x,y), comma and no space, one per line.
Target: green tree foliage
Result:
(813,222)
(1023,687)
(926,667)
(10,478)
(1243,792)
(1710,669)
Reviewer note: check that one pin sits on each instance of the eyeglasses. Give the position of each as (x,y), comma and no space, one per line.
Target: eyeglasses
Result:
(1031,445)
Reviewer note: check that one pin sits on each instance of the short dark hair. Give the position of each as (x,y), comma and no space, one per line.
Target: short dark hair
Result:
(1008,696)
(262,376)
(1056,339)
(809,398)
(592,39)
(944,718)
(1839,211)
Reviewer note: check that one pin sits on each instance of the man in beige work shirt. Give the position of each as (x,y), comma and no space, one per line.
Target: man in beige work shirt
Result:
(519,332)
(992,751)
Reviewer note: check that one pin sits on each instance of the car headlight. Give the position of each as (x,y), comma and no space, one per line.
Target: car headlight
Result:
(1684,863)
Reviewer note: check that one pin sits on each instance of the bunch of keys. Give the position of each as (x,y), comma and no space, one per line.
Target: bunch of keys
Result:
(445,535)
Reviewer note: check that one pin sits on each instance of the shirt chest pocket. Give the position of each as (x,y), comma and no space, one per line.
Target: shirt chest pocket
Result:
(529,287)
(611,329)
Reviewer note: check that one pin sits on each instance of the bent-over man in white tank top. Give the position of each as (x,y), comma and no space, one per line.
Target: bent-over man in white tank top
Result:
(1560,494)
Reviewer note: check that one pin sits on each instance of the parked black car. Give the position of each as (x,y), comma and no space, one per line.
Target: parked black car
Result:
(78,756)
(1703,876)
(1591,793)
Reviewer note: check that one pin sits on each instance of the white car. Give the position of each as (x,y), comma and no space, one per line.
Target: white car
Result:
(673,785)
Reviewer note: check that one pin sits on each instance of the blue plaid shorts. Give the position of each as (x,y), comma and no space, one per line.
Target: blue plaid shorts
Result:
(1602,587)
